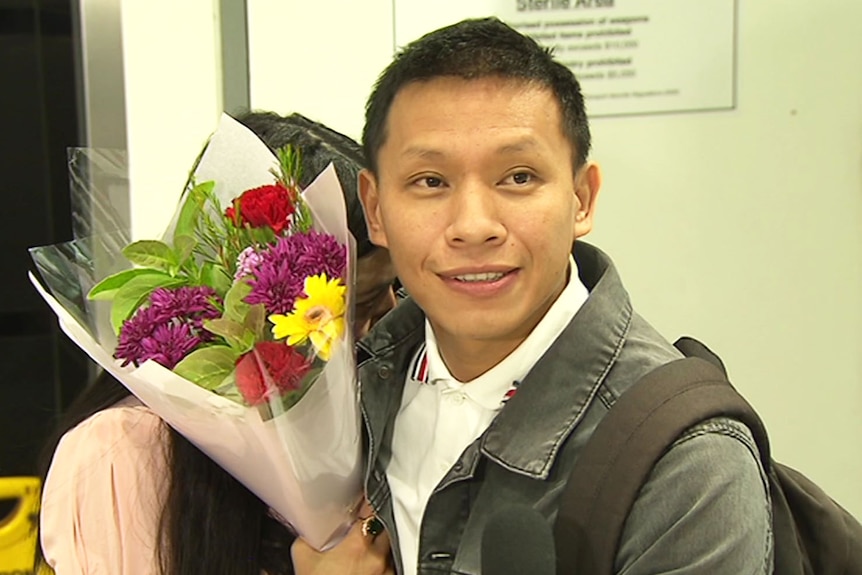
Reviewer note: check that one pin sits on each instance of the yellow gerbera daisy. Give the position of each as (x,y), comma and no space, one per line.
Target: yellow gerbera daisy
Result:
(318,317)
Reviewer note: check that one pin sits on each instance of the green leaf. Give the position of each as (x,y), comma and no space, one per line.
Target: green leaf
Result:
(184,246)
(224,327)
(234,333)
(255,321)
(234,306)
(303,221)
(134,293)
(261,236)
(290,162)
(107,288)
(216,277)
(192,209)
(151,254)
(208,367)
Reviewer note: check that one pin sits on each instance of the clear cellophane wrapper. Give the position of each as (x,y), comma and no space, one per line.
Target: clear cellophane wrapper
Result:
(303,459)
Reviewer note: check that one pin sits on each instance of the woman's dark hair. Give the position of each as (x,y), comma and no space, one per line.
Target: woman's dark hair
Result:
(210,522)
(319,145)
(471,49)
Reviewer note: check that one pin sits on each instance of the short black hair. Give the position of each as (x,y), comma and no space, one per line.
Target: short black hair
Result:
(472,49)
(319,145)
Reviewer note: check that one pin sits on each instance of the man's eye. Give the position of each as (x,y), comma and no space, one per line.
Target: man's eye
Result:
(520,178)
(431,182)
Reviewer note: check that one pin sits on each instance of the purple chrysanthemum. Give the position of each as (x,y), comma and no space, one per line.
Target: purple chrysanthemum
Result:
(185,301)
(169,327)
(169,343)
(133,332)
(280,277)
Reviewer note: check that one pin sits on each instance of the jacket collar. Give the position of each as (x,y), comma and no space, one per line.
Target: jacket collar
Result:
(527,434)
(382,358)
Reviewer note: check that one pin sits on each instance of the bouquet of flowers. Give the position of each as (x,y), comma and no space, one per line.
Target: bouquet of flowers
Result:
(234,327)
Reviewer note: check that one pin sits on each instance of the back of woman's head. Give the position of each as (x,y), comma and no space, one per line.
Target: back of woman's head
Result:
(319,146)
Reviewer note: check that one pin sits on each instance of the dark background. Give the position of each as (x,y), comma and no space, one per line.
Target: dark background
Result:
(40,370)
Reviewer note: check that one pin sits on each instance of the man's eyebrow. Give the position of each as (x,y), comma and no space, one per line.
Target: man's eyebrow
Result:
(524,145)
(423,153)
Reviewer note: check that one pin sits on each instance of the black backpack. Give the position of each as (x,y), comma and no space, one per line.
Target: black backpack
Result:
(813,534)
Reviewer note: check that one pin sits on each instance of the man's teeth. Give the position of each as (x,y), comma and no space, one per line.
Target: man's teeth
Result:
(485,277)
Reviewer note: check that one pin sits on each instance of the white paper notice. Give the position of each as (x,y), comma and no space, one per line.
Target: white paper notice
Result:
(631,56)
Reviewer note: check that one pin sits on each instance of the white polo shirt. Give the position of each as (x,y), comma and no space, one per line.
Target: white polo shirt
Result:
(440,416)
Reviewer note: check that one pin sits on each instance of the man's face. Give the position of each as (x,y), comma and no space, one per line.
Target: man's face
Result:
(476,199)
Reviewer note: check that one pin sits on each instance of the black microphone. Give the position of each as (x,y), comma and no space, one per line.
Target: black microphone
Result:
(518,540)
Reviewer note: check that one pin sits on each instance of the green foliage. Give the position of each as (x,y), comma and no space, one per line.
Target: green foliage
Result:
(134,293)
(242,324)
(108,287)
(255,321)
(302,218)
(215,276)
(234,306)
(192,209)
(290,163)
(152,254)
(184,247)
(236,336)
(208,367)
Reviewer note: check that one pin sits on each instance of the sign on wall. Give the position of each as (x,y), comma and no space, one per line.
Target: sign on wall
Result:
(631,56)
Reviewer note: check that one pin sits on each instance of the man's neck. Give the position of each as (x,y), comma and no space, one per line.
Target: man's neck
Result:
(467,360)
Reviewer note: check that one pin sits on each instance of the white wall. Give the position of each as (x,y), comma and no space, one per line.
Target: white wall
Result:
(318,58)
(742,228)
(173,92)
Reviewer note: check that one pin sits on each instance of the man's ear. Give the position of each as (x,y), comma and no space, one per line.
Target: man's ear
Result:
(588,181)
(368,195)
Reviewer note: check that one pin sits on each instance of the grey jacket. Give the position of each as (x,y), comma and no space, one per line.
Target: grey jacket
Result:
(705,508)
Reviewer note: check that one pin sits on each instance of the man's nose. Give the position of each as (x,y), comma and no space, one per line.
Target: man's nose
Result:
(475,216)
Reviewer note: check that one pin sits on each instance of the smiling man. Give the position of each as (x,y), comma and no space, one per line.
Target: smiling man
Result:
(476,194)
(480,389)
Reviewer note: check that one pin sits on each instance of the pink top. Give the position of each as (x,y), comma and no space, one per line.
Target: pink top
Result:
(104,493)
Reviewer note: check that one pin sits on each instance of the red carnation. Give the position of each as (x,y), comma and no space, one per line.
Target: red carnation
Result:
(267,206)
(270,369)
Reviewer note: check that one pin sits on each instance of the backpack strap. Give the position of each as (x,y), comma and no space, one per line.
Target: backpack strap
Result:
(609,472)
(691,347)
